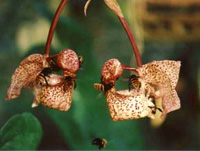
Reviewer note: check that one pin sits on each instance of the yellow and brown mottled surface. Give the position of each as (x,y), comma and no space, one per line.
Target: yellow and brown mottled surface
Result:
(159,72)
(25,74)
(126,105)
(57,94)
(161,78)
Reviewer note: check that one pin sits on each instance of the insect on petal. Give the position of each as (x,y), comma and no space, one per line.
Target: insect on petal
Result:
(57,94)
(162,76)
(126,105)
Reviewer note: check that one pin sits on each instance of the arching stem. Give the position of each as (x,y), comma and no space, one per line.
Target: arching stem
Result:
(132,40)
(129,68)
(51,57)
(53,26)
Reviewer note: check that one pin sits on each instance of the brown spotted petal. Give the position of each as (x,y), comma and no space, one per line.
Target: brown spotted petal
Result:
(162,77)
(170,100)
(112,69)
(153,72)
(57,94)
(126,105)
(25,74)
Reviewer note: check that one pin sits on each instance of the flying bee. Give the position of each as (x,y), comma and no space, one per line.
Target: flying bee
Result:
(133,81)
(103,87)
(99,86)
(101,143)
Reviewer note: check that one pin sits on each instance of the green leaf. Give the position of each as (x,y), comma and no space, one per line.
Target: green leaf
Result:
(22,131)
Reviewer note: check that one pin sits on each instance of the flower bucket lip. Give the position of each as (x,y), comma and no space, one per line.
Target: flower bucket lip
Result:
(122,105)
(54,95)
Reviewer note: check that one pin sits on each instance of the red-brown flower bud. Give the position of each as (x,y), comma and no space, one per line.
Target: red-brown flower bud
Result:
(111,70)
(68,60)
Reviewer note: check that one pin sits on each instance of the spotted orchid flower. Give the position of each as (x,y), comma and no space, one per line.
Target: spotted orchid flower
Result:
(124,104)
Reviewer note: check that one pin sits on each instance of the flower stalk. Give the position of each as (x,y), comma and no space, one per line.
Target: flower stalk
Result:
(129,68)
(53,26)
(114,6)
(132,40)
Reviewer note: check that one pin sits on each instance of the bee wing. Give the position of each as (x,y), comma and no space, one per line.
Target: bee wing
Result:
(100,95)
(124,78)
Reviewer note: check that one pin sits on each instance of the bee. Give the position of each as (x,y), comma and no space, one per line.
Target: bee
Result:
(155,108)
(133,81)
(99,87)
(101,143)
(103,87)
(47,71)
(80,58)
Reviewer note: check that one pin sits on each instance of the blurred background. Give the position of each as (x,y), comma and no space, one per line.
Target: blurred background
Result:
(164,30)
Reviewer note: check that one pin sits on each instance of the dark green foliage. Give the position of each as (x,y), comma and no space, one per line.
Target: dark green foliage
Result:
(22,131)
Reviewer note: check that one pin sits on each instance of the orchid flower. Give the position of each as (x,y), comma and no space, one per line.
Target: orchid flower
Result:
(124,104)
